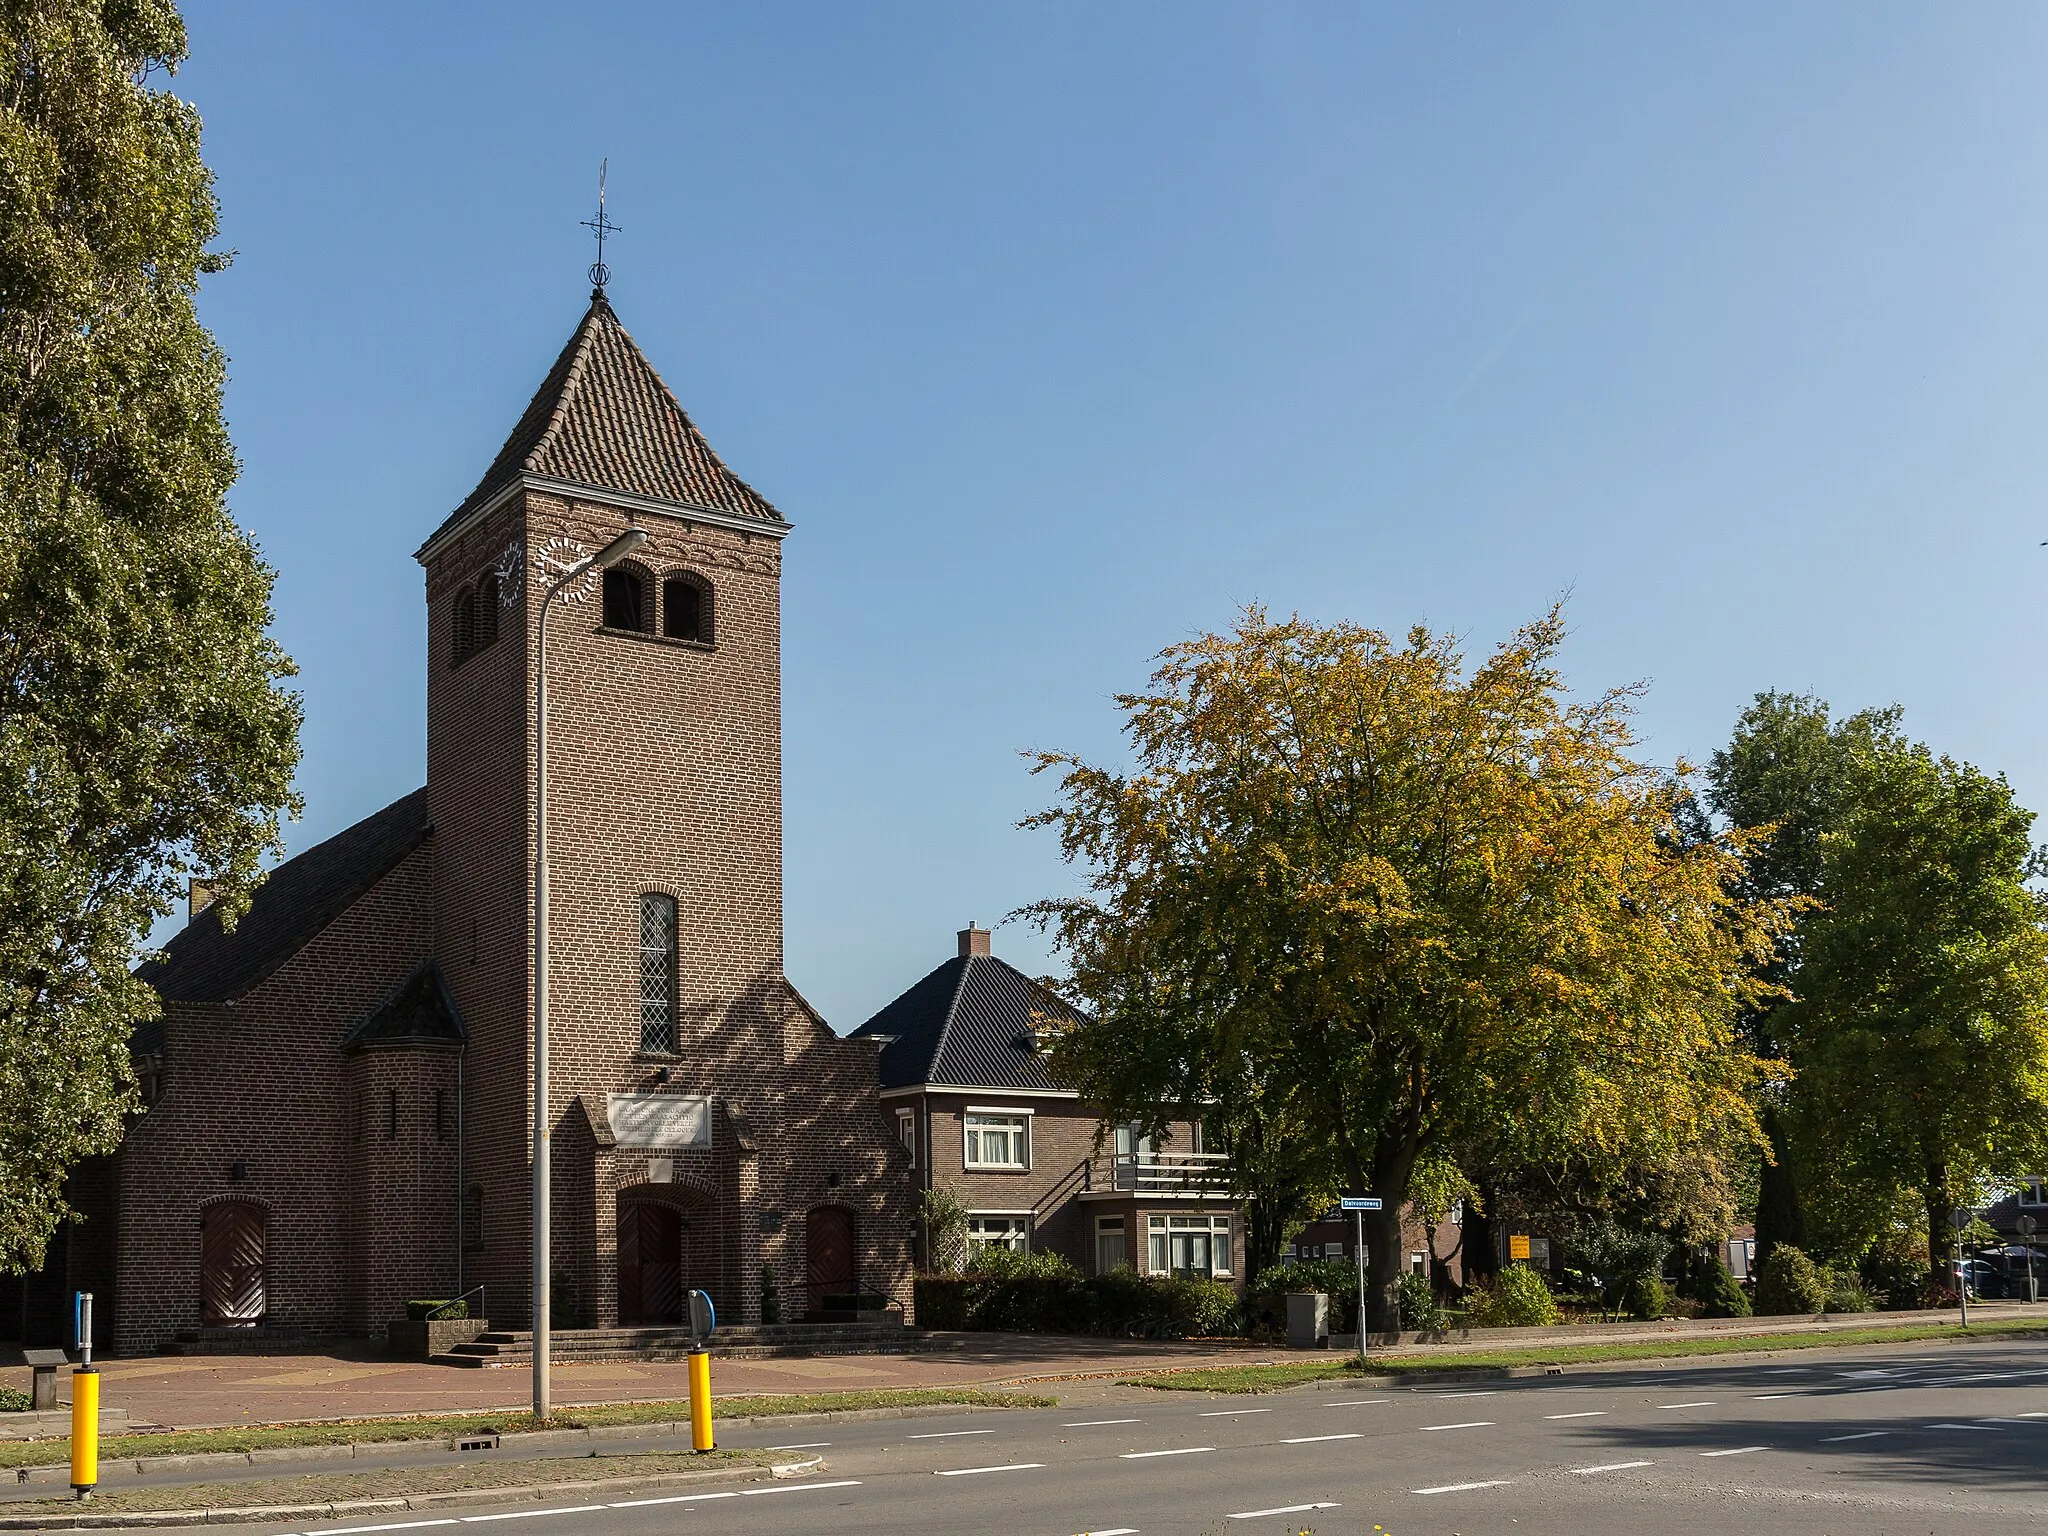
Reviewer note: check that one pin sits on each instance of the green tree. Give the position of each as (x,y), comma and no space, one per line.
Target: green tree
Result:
(1920,1030)
(1435,908)
(1789,770)
(144,734)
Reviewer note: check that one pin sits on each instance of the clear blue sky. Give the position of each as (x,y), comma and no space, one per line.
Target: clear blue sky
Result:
(1060,331)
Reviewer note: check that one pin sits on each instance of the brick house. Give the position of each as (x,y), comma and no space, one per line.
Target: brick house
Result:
(978,1114)
(339,1091)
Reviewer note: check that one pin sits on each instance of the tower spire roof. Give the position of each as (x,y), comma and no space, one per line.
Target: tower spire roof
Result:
(603,420)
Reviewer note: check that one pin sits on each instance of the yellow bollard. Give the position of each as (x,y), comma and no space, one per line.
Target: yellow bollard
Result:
(700,1399)
(85,1430)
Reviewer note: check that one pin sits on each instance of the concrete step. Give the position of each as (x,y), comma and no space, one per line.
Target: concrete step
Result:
(502,1348)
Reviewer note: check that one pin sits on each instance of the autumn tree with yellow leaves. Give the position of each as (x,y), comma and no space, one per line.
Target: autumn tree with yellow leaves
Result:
(1396,906)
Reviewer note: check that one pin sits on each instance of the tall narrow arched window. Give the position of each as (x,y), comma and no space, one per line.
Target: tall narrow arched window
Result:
(686,609)
(626,604)
(657,973)
(487,609)
(462,627)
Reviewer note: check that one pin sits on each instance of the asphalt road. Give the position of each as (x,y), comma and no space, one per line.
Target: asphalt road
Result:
(1950,1438)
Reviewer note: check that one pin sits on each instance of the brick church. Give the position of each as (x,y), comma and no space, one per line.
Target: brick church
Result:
(338,1090)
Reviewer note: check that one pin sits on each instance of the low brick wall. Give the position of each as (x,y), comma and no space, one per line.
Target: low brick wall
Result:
(421,1340)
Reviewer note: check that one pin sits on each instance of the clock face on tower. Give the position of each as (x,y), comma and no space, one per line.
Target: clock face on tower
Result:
(559,554)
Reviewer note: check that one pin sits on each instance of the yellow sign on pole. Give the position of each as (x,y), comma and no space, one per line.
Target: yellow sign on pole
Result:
(1518,1246)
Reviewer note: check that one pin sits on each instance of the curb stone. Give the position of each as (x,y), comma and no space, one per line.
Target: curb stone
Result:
(117,1520)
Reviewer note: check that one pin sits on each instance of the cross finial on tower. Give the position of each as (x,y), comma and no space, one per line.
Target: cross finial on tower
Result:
(600,274)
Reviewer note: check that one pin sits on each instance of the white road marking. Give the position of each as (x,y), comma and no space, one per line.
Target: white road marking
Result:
(1868,1434)
(845,1482)
(1986,1427)
(1446,1396)
(1462,1487)
(1115,1530)
(1612,1466)
(1784,1370)
(1091,1423)
(802,1445)
(1771,1397)
(1186,1450)
(1230,1413)
(1740,1450)
(674,1498)
(2016,1419)
(1588,1413)
(951,1434)
(1685,1405)
(1314,1439)
(1284,1509)
(1469,1424)
(528,1514)
(2038,1414)
(1011,1466)
(1356,1402)
(401,1525)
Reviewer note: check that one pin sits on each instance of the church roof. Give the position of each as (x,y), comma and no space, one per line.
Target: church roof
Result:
(420,1012)
(971,1023)
(205,964)
(603,419)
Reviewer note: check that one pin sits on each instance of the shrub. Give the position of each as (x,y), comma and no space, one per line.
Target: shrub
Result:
(771,1297)
(1517,1298)
(1789,1283)
(422,1311)
(1846,1293)
(1647,1298)
(1050,1296)
(1265,1297)
(14,1400)
(1419,1310)
(564,1310)
(945,1225)
(1895,1269)
(1721,1294)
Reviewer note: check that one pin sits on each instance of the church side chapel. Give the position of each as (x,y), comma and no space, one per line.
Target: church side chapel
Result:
(339,1090)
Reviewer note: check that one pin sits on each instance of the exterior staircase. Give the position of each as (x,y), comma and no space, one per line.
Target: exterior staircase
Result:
(869,1336)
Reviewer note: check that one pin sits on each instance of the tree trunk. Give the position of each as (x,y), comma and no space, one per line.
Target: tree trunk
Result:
(1779,1218)
(1383,1268)
(1481,1235)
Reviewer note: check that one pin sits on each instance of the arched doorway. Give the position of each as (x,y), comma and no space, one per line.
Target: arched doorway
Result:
(233,1238)
(650,1265)
(828,1253)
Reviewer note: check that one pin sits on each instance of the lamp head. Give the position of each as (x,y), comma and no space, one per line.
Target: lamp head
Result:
(611,554)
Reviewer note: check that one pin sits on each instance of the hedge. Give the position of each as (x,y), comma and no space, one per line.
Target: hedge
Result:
(436,1311)
(1121,1303)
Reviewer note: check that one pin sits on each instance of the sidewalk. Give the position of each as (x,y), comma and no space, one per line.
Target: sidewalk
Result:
(203,1391)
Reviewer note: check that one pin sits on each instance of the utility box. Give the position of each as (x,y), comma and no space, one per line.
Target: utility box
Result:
(45,1363)
(1308,1320)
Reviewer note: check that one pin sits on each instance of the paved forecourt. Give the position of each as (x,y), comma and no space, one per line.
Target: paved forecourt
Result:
(1932,1438)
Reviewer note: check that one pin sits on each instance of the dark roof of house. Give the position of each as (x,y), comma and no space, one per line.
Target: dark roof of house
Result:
(204,964)
(603,418)
(971,1023)
(419,1012)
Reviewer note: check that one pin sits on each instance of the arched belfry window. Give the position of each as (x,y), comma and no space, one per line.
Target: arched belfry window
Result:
(686,608)
(627,602)
(658,973)
(462,627)
(487,610)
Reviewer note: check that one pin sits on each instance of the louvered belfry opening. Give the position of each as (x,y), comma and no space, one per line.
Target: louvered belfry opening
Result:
(234,1237)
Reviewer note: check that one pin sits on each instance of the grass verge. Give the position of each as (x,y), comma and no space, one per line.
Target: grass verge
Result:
(185,1442)
(340,1487)
(1277,1378)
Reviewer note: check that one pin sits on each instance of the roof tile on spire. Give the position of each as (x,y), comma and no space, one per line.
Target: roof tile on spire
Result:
(603,418)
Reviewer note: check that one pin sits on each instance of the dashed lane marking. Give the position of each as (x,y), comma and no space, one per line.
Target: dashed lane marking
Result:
(844,1482)
(1772,1397)
(1868,1434)
(1447,1396)
(2019,1418)
(1611,1466)
(1282,1509)
(1230,1413)
(1988,1428)
(400,1525)
(1314,1439)
(1092,1423)
(1685,1405)
(1499,1482)
(802,1445)
(1115,1530)
(1469,1424)
(1740,1450)
(1585,1413)
(1008,1466)
(1185,1450)
(674,1498)
(529,1514)
(1356,1402)
(951,1434)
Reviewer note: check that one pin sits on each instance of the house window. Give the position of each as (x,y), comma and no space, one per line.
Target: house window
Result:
(462,628)
(998,1141)
(2034,1192)
(625,599)
(473,1218)
(1189,1246)
(1111,1251)
(906,1132)
(658,973)
(1012,1232)
(686,609)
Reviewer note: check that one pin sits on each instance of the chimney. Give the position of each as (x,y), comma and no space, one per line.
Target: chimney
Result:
(973,941)
(198,897)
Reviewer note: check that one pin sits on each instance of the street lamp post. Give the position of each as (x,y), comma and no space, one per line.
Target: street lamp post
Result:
(2026,1226)
(613,552)
(1959,1218)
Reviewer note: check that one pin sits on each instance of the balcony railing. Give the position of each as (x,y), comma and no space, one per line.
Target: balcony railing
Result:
(1170,1173)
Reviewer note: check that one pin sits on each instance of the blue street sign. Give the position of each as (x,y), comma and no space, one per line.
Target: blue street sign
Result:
(1359,1203)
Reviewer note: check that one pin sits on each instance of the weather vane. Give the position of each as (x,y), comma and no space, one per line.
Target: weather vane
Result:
(600,274)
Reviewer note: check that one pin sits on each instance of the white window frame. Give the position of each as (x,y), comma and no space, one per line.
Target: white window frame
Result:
(906,1132)
(1016,1235)
(2033,1192)
(1012,1127)
(1117,1227)
(1218,1229)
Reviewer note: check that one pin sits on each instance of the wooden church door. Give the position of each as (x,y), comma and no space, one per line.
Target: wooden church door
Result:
(828,1245)
(650,1265)
(232,1240)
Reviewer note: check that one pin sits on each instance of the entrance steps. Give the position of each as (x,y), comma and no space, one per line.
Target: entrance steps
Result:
(510,1347)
